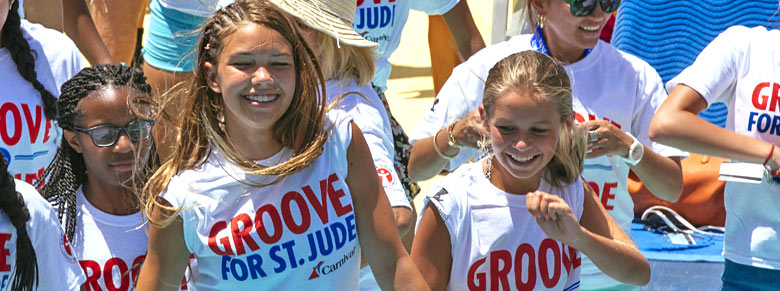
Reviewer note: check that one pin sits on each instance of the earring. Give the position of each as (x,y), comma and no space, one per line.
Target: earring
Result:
(541,21)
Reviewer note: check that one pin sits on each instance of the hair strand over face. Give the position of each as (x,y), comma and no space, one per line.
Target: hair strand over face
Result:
(538,76)
(301,128)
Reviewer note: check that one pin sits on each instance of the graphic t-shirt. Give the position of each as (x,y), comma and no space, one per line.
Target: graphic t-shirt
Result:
(29,139)
(496,243)
(607,84)
(296,234)
(110,247)
(58,268)
(364,107)
(382,21)
(741,68)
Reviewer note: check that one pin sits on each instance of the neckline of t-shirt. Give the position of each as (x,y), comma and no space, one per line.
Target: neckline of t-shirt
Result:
(135,219)
(588,60)
(511,197)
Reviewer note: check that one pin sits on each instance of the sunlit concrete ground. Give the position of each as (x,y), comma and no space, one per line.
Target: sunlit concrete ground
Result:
(410,88)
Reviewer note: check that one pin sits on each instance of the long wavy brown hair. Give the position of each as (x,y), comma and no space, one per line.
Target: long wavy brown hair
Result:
(300,129)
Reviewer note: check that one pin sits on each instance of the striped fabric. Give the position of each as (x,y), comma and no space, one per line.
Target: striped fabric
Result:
(670,34)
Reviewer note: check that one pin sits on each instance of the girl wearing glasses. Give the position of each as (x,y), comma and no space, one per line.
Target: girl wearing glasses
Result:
(34,62)
(264,188)
(740,67)
(90,182)
(615,97)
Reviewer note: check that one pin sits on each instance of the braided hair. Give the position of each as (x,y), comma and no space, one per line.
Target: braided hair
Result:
(11,202)
(68,171)
(24,58)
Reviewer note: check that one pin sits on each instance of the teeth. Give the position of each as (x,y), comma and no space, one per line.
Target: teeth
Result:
(522,160)
(590,28)
(261,98)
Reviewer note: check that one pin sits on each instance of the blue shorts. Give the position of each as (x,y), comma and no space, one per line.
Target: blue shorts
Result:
(171,38)
(743,277)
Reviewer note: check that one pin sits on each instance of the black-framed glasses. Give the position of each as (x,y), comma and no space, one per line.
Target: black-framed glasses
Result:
(107,135)
(582,8)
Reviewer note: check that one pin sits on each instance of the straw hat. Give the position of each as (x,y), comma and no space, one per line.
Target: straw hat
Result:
(332,17)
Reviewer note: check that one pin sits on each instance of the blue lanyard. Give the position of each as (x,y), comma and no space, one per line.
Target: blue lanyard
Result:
(537,42)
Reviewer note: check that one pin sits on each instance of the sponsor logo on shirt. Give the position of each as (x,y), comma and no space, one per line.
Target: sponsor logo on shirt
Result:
(66,249)
(385,176)
(324,269)
(526,262)
(766,97)
(268,224)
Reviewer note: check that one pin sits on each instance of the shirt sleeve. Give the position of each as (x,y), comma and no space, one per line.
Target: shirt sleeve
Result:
(461,94)
(433,7)
(713,74)
(58,267)
(650,96)
(367,119)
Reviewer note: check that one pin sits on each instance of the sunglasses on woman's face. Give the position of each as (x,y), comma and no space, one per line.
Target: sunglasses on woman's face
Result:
(582,8)
(107,135)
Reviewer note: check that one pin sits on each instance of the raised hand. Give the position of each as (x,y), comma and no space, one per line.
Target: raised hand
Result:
(611,140)
(469,130)
(554,216)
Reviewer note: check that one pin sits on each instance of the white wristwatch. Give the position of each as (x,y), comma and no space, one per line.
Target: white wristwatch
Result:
(635,152)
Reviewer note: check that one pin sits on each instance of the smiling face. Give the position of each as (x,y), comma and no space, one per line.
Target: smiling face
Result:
(569,34)
(523,133)
(255,73)
(112,165)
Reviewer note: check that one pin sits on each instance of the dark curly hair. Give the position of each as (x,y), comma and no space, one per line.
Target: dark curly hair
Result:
(67,172)
(24,58)
(11,202)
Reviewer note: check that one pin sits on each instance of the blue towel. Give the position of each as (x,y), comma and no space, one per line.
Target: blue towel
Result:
(656,246)
(670,34)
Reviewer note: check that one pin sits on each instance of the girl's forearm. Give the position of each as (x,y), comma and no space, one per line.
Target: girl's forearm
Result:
(619,260)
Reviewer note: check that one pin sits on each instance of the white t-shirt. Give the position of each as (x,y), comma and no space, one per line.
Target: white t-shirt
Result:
(58,268)
(202,8)
(370,115)
(606,84)
(296,234)
(29,139)
(741,68)
(110,247)
(382,21)
(495,241)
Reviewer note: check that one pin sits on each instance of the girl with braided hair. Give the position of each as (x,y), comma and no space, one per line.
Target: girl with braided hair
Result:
(267,187)
(34,252)
(34,62)
(105,112)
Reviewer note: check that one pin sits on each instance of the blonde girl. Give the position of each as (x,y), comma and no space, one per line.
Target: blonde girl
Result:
(519,218)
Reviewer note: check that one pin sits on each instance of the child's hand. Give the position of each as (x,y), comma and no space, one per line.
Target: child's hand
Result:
(611,140)
(554,216)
